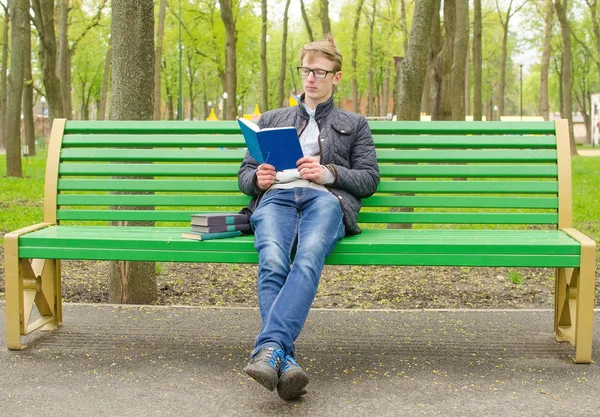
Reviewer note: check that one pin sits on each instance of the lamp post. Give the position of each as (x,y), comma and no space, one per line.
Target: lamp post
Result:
(521,89)
(43,100)
(225,96)
(495,110)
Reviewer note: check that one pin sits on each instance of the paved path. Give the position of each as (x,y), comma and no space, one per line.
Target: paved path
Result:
(184,361)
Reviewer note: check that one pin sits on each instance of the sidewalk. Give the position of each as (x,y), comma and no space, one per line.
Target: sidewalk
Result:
(161,361)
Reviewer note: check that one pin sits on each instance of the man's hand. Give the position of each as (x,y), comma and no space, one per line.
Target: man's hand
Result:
(265,176)
(311,169)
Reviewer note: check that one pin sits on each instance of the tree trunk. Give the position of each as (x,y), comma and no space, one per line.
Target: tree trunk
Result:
(230,108)
(325,22)
(385,94)
(459,59)
(264,96)
(477,62)
(561,7)
(105,82)
(502,86)
(64,61)
(44,22)
(445,60)
(413,70)
(371,73)
(160,34)
(544,107)
(19,26)
(596,31)
(281,95)
(505,28)
(414,65)
(435,74)
(28,125)
(3,74)
(132,99)
(306,21)
(404,26)
(355,99)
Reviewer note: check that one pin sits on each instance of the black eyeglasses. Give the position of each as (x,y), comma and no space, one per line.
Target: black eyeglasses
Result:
(318,73)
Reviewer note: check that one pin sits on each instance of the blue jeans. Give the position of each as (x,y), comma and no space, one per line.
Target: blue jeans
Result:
(303,220)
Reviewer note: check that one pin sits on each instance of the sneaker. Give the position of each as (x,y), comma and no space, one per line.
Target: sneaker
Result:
(292,380)
(264,367)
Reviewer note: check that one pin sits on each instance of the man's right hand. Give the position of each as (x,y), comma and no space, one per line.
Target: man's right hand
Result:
(265,176)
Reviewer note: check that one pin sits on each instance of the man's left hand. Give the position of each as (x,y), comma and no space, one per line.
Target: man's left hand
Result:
(311,169)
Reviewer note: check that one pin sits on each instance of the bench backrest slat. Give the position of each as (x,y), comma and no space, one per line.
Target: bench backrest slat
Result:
(488,173)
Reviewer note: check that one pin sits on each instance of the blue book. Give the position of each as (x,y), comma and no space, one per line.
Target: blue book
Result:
(278,146)
(207,236)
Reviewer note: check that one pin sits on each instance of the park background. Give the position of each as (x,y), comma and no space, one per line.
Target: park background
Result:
(450,60)
(512,57)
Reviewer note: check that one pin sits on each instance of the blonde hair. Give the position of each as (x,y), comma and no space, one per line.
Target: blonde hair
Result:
(325,48)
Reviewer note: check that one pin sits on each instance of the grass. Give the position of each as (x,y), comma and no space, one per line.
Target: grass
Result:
(21,199)
(515,277)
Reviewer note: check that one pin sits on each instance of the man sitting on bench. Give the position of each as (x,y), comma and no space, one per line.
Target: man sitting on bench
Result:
(305,212)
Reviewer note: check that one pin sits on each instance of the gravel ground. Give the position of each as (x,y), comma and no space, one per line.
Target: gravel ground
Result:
(341,286)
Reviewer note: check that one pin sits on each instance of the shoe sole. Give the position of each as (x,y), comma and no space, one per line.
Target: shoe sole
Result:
(267,381)
(291,384)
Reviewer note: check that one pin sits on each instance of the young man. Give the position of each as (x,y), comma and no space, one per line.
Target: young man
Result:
(301,214)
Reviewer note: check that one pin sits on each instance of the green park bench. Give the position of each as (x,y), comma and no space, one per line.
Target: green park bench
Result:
(477,194)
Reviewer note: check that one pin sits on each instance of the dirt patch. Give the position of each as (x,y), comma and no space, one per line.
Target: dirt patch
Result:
(341,286)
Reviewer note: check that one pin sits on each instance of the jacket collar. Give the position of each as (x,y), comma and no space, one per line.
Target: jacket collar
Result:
(322,110)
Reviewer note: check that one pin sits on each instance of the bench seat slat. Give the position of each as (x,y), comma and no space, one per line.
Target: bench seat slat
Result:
(386,170)
(474,141)
(548,242)
(469,171)
(383,155)
(485,187)
(458,218)
(236,140)
(168,127)
(212,185)
(454,128)
(529,242)
(467,187)
(152,200)
(149,170)
(375,201)
(462,202)
(228,256)
(153,155)
(377,127)
(363,217)
(153,140)
(470,155)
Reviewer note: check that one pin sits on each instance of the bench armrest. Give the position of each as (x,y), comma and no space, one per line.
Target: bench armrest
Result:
(580,237)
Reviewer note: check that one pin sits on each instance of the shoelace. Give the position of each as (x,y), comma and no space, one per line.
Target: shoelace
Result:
(275,358)
(288,362)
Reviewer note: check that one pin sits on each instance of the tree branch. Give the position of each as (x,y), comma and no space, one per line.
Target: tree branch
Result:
(95,22)
(583,44)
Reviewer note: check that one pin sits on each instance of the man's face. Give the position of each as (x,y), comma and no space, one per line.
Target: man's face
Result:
(319,90)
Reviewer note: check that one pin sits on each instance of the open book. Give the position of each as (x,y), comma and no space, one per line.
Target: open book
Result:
(278,146)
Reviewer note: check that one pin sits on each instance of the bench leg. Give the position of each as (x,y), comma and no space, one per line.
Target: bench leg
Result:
(28,284)
(574,305)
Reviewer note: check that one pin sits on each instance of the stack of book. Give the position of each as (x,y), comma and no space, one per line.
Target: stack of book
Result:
(216,226)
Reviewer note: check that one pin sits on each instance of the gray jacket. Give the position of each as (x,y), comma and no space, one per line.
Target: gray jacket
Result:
(347,149)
